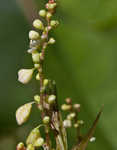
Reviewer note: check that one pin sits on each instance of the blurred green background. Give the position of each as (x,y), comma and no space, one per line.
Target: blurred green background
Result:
(83,62)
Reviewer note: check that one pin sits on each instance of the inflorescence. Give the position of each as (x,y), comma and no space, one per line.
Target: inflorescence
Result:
(46,99)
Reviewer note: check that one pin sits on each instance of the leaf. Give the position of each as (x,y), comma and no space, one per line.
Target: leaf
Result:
(83,144)
(23,113)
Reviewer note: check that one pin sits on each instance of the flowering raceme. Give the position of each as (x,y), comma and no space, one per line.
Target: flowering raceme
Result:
(46,99)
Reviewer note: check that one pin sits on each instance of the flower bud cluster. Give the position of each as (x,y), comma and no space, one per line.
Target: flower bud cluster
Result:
(39,39)
(73,110)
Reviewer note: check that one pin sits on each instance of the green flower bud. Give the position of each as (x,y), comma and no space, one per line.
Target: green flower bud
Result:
(51,99)
(49,15)
(30,147)
(36,66)
(25,75)
(33,136)
(54,23)
(46,119)
(45,82)
(33,35)
(51,41)
(66,107)
(37,98)
(39,142)
(35,57)
(23,113)
(37,76)
(42,13)
(20,146)
(38,24)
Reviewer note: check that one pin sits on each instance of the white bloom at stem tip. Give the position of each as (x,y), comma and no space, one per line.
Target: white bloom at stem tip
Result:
(25,75)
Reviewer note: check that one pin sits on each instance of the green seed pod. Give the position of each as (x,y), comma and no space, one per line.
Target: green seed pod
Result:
(23,113)
(39,142)
(51,41)
(33,35)
(38,24)
(33,136)
(37,98)
(66,107)
(51,99)
(46,119)
(35,57)
(54,23)
(30,147)
(42,13)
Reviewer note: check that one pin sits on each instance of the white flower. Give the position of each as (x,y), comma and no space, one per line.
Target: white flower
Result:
(25,75)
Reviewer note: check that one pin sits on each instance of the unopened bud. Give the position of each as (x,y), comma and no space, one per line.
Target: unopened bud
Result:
(38,24)
(67,123)
(25,75)
(51,41)
(42,13)
(66,107)
(37,76)
(46,119)
(36,66)
(92,139)
(76,125)
(45,82)
(71,116)
(54,23)
(39,142)
(20,146)
(81,122)
(30,147)
(68,100)
(50,6)
(49,15)
(76,106)
(37,98)
(33,35)
(51,99)
(35,57)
